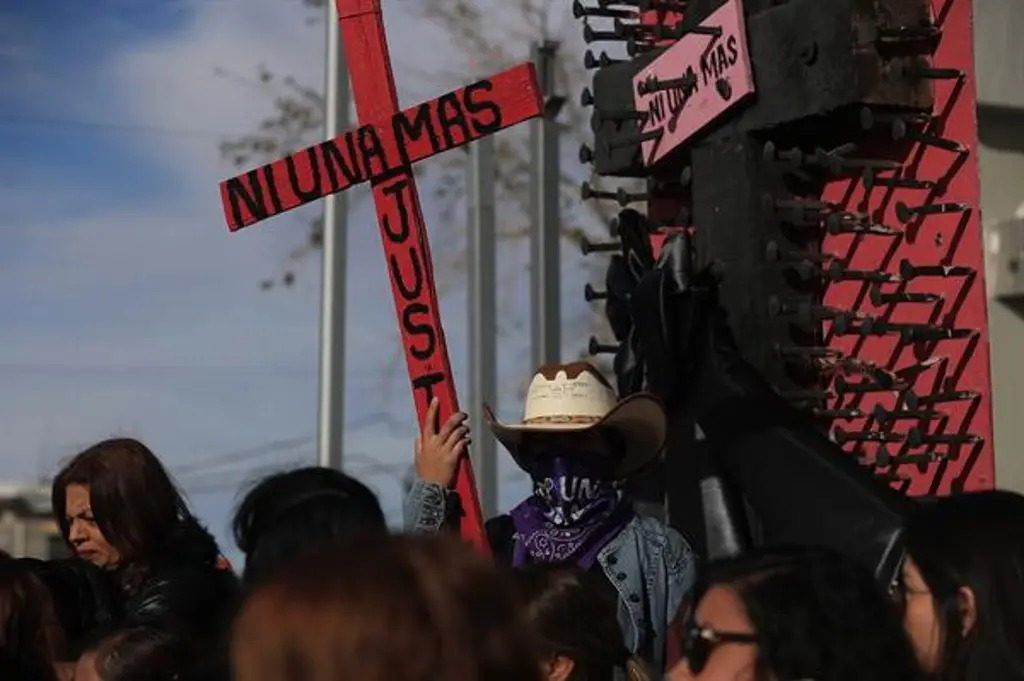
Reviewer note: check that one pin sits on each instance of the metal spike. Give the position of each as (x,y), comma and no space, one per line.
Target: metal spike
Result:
(588,247)
(597,348)
(590,294)
(633,140)
(900,130)
(779,308)
(869,119)
(841,436)
(883,415)
(878,298)
(914,400)
(909,270)
(844,387)
(839,223)
(837,271)
(871,180)
(932,73)
(905,213)
(916,437)
(653,84)
(592,36)
(579,11)
(679,31)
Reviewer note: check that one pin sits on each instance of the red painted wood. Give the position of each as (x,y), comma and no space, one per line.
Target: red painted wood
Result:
(373,88)
(953,239)
(315,172)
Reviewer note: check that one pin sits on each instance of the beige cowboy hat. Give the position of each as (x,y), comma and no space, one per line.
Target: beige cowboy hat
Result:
(575,397)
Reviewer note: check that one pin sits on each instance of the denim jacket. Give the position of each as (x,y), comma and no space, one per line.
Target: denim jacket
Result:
(651,566)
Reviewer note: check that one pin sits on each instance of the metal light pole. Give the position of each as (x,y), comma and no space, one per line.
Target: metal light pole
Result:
(545,222)
(331,426)
(483,360)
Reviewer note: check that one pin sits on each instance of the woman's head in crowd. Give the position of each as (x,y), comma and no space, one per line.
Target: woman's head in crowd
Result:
(574,618)
(115,503)
(136,654)
(30,634)
(962,588)
(790,615)
(399,608)
(301,509)
(84,600)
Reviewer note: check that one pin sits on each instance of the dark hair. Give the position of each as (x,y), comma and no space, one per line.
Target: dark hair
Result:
(30,635)
(817,615)
(84,598)
(416,608)
(977,541)
(294,511)
(574,615)
(139,654)
(134,501)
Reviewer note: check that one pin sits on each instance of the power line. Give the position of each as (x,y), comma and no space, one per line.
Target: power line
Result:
(244,455)
(112,127)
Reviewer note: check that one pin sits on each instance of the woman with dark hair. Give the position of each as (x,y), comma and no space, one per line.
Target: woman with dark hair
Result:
(119,510)
(139,654)
(30,636)
(575,619)
(294,511)
(398,609)
(790,615)
(962,586)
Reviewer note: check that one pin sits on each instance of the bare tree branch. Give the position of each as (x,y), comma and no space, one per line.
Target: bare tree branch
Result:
(481,37)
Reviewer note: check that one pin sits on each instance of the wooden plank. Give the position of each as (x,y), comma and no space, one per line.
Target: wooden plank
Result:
(377,150)
(720,76)
(406,248)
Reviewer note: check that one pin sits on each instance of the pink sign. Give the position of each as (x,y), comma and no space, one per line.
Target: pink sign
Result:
(695,81)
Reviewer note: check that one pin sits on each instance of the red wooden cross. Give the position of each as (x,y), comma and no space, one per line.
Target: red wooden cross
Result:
(382,151)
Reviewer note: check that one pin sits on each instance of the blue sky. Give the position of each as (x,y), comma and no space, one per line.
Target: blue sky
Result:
(126,306)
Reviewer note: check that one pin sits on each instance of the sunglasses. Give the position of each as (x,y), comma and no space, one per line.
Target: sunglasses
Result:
(698,643)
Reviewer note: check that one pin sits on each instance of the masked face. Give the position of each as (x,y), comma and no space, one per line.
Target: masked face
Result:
(568,489)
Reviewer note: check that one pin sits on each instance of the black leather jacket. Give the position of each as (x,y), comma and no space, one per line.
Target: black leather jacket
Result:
(187,590)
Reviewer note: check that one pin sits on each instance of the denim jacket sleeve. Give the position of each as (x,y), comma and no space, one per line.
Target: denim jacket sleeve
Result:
(426,507)
(681,565)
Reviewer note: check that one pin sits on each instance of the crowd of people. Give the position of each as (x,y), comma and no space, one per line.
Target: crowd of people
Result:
(579,585)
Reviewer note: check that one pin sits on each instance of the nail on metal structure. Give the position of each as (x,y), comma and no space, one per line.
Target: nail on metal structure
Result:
(545,218)
(483,322)
(331,418)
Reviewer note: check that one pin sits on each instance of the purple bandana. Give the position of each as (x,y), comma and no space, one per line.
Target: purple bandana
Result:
(571,515)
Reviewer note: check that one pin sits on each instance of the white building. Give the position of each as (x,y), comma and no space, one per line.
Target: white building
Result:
(999,67)
(27,527)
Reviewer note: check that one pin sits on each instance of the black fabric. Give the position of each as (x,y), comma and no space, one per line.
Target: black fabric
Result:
(186,588)
(783,465)
(190,595)
(501,532)
(84,596)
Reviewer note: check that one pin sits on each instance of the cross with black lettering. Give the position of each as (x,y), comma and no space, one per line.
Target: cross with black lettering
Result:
(381,151)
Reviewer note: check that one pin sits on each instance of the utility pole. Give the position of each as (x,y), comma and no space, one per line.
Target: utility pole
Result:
(331,426)
(483,336)
(545,219)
